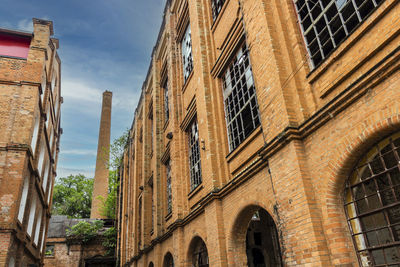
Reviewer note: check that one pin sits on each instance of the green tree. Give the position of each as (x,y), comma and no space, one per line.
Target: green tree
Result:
(73,196)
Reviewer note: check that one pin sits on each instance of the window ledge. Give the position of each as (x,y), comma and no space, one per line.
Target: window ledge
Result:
(195,191)
(244,144)
(168,216)
(187,81)
(216,22)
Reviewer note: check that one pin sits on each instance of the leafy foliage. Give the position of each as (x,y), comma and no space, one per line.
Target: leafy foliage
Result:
(73,196)
(110,240)
(84,230)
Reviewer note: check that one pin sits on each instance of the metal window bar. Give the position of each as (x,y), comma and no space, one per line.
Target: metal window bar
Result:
(201,256)
(241,108)
(194,155)
(166,101)
(326,23)
(187,58)
(216,6)
(372,205)
(169,188)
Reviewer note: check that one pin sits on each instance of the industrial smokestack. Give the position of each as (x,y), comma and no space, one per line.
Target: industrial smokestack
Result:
(100,185)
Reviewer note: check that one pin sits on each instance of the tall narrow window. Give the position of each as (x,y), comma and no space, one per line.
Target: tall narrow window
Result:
(22,203)
(166,103)
(152,204)
(48,114)
(169,189)
(372,204)
(43,235)
(35,133)
(45,176)
(140,222)
(32,213)
(241,109)
(50,187)
(41,155)
(216,6)
(326,23)
(194,155)
(38,224)
(187,58)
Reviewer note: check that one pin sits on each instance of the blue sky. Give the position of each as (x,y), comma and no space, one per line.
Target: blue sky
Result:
(104,45)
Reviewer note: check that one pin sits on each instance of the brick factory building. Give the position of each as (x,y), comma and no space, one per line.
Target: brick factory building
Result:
(267,134)
(29,140)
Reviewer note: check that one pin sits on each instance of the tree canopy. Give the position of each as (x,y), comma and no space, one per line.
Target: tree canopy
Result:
(73,196)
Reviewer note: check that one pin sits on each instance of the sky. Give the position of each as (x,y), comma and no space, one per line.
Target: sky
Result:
(104,45)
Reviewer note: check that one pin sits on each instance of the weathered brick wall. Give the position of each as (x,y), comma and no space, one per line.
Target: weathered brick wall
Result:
(315,125)
(27,91)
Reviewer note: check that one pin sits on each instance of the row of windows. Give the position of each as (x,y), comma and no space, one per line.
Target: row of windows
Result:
(324,23)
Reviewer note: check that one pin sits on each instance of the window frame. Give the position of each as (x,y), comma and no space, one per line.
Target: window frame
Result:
(335,37)
(187,66)
(230,119)
(194,149)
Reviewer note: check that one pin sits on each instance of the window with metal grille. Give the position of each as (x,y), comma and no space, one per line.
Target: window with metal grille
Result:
(187,58)
(166,103)
(241,109)
(216,6)
(326,23)
(372,204)
(169,189)
(200,255)
(194,155)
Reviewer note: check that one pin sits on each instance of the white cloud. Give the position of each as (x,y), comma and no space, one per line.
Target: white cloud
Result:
(64,172)
(25,25)
(79,152)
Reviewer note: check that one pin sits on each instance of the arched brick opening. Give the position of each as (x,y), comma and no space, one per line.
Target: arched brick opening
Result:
(151,264)
(254,239)
(348,154)
(168,260)
(197,254)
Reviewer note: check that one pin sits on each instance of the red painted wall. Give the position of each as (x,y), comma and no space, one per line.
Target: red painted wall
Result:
(14,46)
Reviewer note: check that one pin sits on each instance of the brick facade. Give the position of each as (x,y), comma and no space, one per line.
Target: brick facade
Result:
(29,143)
(316,122)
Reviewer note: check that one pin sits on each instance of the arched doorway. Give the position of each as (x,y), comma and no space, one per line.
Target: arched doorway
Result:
(151,264)
(372,204)
(262,243)
(168,260)
(198,253)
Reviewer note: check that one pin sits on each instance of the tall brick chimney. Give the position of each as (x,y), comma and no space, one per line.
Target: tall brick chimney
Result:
(100,185)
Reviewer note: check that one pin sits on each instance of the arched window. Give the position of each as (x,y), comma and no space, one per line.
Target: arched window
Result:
(168,260)
(151,264)
(372,204)
(200,255)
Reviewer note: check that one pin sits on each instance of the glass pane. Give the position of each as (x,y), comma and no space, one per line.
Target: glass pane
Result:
(384,236)
(373,221)
(392,255)
(378,256)
(360,242)
(394,214)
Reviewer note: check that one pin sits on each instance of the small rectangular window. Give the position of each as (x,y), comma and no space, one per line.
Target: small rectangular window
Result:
(32,213)
(187,58)
(326,23)
(194,155)
(22,203)
(38,224)
(166,100)
(241,109)
(169,188)
(49,250)
(216,6)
